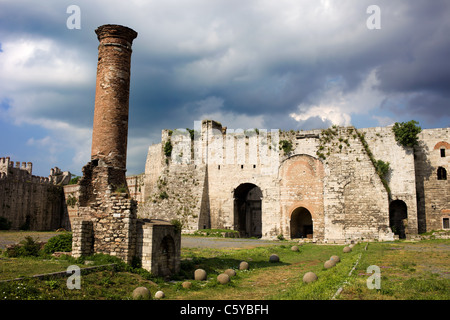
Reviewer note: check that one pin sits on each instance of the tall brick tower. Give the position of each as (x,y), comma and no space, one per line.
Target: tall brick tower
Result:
(105,172)
(106,219)
(110,130)
(107,214)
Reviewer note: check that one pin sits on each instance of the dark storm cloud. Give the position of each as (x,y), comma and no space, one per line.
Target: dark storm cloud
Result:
(276,64)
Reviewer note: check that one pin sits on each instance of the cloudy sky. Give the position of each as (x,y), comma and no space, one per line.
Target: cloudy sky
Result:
(288,64)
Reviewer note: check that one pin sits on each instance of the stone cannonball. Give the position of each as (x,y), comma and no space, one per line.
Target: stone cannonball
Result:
(309,277)
(335,259)
(329,264)
(294,248)
(159,295)
(200,274)
(347,249)
(141,293)
(274,258)
(223,278)
(230,272)
(186,284)
(243,265)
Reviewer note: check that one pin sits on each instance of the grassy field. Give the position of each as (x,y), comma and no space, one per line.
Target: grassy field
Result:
(409,270)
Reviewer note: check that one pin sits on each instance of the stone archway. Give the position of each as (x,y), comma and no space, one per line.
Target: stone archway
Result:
(398,215)
(301,224)
(301,186)
(247,210)
(167,256)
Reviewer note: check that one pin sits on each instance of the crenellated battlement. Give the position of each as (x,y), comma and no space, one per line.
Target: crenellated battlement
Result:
(22,172)
(30,201)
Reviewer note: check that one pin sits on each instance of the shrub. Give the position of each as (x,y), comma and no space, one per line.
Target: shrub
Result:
(74,180)
(286,146)
(59,243)
(168,148)
(178,225)
(27,248)
(382,168)
(406,133)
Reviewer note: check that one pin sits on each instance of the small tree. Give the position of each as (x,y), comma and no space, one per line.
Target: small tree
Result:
(406,133)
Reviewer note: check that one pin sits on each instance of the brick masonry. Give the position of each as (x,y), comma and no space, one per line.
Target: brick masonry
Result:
(105,210)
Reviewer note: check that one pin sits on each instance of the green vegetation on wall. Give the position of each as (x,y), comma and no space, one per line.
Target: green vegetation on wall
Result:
(406,133)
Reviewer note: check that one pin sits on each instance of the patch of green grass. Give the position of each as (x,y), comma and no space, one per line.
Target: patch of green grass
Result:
(408,271)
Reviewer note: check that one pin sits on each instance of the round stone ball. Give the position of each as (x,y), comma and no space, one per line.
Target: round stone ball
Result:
(329,264)
(159,295)
(186,284)
(243,265)
(230,272)
(294,248)
(335,259)
(223,278)
(309,277)
(200,274)
(347,249)
(141,293)
(274,258)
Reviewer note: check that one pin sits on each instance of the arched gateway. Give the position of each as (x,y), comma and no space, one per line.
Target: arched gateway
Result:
(247,210)
(301,223)
(301,197)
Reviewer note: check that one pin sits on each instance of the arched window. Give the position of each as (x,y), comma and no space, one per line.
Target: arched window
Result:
(441,173)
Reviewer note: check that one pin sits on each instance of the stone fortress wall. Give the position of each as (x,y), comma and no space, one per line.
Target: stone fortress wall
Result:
(325,188)
(32,202)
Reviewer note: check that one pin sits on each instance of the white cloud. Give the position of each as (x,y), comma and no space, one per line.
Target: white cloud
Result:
(333,103)
(30,63)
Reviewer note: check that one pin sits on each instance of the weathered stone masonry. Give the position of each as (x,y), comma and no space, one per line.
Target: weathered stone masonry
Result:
(106,219)
(31,202)
(326,188)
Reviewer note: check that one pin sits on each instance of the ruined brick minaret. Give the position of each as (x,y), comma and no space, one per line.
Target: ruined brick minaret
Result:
(110,131)
(105,172)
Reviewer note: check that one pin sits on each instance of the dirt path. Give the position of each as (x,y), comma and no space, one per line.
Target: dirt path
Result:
(11,237)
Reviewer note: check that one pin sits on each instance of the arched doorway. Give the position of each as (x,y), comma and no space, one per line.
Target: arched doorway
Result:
(398,215)
(166,259)
(247,210)
(301,223)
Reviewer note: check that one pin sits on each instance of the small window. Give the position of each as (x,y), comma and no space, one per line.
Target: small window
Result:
(254,166)
(445,223)
(441,173)
(442,153)
(242,166)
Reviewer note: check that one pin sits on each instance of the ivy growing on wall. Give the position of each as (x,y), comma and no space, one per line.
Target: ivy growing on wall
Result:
(168,148)
(381,167)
